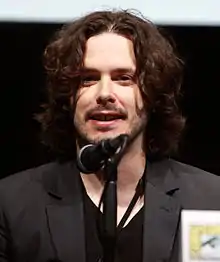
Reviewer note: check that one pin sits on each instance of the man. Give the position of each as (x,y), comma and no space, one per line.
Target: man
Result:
(109,73)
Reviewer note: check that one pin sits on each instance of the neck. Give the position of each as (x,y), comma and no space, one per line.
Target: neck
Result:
(131,167)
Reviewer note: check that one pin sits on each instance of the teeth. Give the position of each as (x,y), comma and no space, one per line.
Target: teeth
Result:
(105,117)
(102,118)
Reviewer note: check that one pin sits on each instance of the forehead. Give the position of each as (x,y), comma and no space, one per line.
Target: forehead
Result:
(108,51)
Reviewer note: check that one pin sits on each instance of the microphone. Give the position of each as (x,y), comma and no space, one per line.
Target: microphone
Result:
(92,157)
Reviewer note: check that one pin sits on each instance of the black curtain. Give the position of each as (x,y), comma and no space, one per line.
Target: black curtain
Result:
(23,87)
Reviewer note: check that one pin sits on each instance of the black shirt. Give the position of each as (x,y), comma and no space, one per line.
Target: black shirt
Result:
(129,243)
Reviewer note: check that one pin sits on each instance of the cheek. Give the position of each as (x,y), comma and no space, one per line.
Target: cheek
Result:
(131,99)
(139,100)
(83,101)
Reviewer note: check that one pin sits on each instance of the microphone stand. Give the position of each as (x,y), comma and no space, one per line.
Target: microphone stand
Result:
(110,205)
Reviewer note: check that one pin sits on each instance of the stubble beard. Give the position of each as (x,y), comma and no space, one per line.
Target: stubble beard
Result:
(138,127)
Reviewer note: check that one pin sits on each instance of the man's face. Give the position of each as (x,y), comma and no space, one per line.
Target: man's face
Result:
(108,101)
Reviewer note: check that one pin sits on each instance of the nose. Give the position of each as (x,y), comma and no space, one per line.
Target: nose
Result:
(105,94)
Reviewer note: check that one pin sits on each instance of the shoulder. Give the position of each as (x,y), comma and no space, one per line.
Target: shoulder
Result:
(27,184)
(194,188)
(172,170)
(26,177)
(193,176)
(199,189)
(25,196)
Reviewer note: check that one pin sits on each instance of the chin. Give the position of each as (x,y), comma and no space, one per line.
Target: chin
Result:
(104,135)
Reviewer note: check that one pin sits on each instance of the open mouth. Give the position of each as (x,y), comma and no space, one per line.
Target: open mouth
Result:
(106,116)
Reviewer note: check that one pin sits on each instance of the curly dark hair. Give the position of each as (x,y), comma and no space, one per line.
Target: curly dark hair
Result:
(159,74)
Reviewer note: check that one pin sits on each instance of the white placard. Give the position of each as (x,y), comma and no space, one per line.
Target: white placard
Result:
(200,236)
(187,12)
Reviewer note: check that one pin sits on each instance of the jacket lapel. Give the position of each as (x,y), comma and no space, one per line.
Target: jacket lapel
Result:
(162,212)
(65,213)
(66,220)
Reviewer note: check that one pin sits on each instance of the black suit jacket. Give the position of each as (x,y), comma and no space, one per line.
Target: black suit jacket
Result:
(41,211)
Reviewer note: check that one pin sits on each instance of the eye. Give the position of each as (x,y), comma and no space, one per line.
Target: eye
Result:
(89,80)
(124,79)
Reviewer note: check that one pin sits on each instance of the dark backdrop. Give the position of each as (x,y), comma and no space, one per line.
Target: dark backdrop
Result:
(23,85)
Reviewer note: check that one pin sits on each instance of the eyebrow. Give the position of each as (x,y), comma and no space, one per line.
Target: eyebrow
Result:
(85,70)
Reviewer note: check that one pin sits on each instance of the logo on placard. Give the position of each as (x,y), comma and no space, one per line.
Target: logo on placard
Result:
(204,242)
